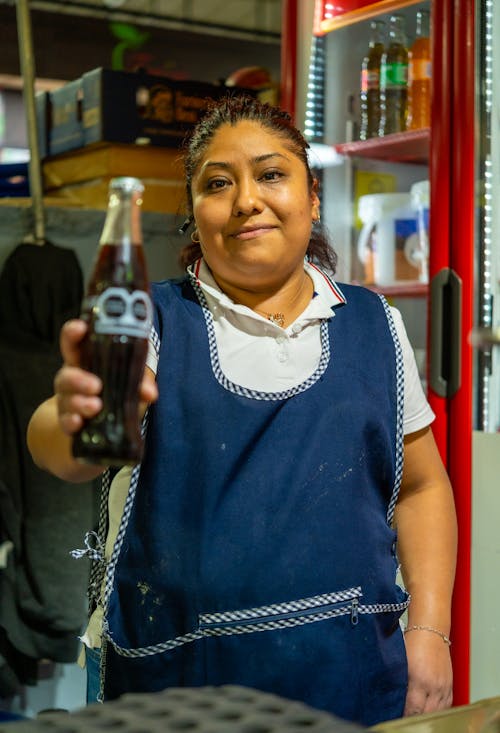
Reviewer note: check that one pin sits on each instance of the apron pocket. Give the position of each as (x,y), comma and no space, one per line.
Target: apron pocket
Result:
(282,615)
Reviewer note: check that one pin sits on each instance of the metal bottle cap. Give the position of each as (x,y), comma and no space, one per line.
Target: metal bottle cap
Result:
(126,183)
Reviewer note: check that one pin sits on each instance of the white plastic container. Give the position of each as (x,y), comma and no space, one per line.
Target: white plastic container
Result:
(389,221)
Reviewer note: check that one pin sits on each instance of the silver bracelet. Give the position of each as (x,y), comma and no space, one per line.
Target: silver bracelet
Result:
(417,627)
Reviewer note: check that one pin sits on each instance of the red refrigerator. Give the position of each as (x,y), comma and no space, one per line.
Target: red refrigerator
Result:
(458,158)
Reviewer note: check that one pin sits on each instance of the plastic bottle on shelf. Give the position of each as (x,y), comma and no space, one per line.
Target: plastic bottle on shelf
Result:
(419,75)
(394,80)
(370,82)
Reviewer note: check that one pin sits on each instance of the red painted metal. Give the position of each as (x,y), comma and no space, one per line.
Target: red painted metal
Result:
(289,41)
(462,261)
(440,174)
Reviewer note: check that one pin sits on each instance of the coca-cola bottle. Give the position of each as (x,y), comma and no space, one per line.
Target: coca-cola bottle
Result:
(394,80)
(118,310)
(370,82)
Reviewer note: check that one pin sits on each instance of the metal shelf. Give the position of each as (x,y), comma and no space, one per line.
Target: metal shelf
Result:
(411,146)
(359,14)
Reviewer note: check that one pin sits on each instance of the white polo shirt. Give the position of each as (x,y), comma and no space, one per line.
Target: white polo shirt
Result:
(260,355)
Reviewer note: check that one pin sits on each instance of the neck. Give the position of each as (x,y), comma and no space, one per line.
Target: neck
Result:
(281,305)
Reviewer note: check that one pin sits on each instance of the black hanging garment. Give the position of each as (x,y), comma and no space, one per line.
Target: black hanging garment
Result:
(42,588)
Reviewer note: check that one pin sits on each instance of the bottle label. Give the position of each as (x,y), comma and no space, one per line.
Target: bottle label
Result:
(116,311)
(419,70)
(370,79)
(373,79)
(364,81)
(393,76)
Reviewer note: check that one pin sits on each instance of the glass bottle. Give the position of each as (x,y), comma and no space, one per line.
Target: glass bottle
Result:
(370,82)
(118,310)
(394,80)
(419,75)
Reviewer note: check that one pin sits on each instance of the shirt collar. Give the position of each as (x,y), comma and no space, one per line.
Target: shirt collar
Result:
(327,294)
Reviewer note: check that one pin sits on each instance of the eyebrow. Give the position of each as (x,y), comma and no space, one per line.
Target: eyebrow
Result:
(257,159)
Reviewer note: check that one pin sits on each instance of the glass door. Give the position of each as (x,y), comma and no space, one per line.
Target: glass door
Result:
(375,188)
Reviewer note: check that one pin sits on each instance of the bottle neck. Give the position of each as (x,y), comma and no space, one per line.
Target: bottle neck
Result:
(397,32)
(123,219)
(377,32)
(423,23)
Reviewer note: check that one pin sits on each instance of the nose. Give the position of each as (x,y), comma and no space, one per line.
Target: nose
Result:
(246,197)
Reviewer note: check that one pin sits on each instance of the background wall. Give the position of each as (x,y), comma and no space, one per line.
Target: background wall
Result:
(65,46)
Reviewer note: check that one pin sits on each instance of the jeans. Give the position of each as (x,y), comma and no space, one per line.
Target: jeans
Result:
(93,664)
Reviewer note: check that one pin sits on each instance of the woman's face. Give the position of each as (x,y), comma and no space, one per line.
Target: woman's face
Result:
(252,207)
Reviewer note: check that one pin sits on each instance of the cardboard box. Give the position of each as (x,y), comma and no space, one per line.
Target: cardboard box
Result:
(122,107)
(65,130)
(125,107)
(164,197)
(109,160)
(81,178)
(482,716)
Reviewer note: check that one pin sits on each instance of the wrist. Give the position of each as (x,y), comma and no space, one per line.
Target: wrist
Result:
(429,630)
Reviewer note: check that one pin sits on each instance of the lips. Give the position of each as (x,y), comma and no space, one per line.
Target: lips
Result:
(253,231)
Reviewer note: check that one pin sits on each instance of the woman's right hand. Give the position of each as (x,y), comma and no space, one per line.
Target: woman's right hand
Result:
(77,391)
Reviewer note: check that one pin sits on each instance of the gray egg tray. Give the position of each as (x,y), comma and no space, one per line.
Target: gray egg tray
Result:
(226,709)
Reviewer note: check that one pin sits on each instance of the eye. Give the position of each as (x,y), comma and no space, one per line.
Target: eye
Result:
(216,184)
(272,175)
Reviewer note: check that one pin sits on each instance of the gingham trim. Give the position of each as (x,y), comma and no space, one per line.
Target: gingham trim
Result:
(349,601)
(275,609)
(251,393)
(400,393)
(384,607)
(284,615)
(98,566)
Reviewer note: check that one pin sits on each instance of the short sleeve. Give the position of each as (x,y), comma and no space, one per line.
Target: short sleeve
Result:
(417,411)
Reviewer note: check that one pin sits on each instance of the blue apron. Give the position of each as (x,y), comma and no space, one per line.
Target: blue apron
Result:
(256,547)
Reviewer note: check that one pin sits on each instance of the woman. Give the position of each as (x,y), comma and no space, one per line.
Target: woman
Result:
(262,534)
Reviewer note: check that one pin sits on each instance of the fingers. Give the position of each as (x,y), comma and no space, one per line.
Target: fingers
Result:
(420,701)
(78,391)
(77,396)
(148,391)
(70,338)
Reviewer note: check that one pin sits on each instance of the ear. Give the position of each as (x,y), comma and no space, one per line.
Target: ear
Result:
(315,202)
(314,194)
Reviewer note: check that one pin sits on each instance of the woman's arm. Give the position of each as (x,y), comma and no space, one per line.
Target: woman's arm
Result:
(425,520)
(50,446)
(76,398)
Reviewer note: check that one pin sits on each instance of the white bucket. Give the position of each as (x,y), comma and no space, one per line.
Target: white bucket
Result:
(389,221)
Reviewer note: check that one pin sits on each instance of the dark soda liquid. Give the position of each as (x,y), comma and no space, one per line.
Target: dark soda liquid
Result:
(113,437)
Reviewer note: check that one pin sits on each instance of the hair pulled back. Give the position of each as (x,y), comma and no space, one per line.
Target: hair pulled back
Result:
(232,109)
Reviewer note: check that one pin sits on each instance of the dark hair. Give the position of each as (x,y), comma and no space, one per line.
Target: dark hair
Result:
(232,109)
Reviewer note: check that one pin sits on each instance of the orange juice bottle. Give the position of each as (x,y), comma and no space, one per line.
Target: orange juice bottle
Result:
(419,75)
